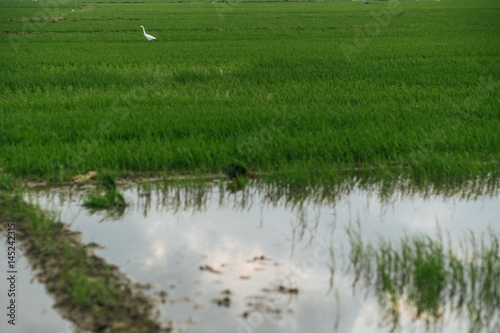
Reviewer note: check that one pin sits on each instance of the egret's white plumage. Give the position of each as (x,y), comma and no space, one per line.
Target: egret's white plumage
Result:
(149,37)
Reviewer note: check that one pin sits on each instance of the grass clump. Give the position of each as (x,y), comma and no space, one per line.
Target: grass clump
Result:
(108,196)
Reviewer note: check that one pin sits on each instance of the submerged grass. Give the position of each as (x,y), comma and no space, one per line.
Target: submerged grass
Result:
(428,278)
(303,91)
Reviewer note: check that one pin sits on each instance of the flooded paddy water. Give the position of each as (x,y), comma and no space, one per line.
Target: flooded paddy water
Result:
(272,259)
(35,312)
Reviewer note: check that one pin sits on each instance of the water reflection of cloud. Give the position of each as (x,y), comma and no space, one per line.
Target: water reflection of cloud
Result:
(34,308)
(167,247)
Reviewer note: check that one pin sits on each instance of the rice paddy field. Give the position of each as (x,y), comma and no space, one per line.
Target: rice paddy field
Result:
(302,90)
(361,140)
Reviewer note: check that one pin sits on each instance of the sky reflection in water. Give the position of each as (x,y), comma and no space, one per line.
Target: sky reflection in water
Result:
(260,249)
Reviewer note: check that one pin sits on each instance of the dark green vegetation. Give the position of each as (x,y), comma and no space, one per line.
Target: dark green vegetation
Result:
(430,278)
(87,290)
(304,91)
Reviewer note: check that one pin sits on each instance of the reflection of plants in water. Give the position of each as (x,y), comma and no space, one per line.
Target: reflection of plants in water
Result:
(304,228)
(195,194)
(237,184)
(387,191)
(431,278)
(185,195)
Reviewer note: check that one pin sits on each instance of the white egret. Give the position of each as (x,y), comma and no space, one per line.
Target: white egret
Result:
(149,37)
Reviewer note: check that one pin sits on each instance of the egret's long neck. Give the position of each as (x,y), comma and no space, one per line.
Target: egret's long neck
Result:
(143,29)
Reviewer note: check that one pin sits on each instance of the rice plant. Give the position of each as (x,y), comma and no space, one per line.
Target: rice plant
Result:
(430,278)
(108,196)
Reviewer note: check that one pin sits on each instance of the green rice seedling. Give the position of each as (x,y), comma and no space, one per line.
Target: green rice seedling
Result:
(145,188)
(420,273)
(107,180)
(109,197)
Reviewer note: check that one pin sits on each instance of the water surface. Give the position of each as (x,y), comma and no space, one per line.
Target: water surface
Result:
(261,260)
(34,307)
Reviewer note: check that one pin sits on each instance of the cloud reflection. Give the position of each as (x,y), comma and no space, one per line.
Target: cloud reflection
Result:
(166,239)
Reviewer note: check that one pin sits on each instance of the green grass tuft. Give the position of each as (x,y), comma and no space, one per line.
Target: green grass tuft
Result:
(108,197)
